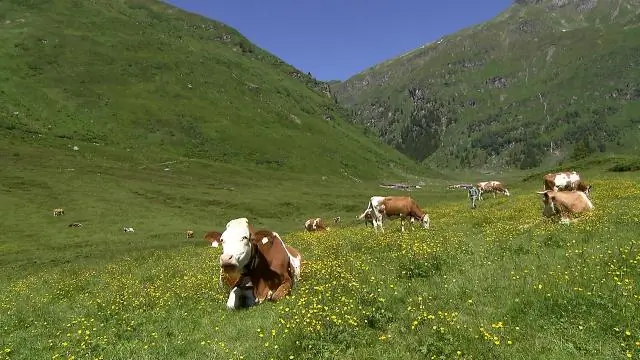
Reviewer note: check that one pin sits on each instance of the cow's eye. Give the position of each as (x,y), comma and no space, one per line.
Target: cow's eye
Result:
(245,238)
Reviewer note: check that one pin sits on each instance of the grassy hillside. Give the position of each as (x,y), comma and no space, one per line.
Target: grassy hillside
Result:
(543,82)
(163,84)
(498,282)
(134,113)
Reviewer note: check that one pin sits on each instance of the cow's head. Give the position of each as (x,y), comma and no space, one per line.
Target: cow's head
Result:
(236,245)
(548,199)
(424,222)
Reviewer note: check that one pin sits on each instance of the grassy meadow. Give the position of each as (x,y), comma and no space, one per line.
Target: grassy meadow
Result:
(498,282)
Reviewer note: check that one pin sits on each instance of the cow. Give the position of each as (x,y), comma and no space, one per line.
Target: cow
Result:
(565,181)
(494,187)
(213,237)
(75,225)
(396,206)
(128,229)
(336,219)
(267,270)
(189,234)
(58,212)
(564,204)
(367,216)
(314,225)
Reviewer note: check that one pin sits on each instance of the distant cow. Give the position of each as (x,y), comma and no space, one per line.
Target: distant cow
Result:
(189,234)
(494,187)
(314,225)
(58,212)
(213,237)
(267,269)
(75,225)
(336,219)
(367,216)
(128,229)
(396,206)
(564,204)
(566,181)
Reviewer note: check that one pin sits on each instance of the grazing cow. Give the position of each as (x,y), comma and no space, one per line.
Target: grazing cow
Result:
(566,181)
(128,229)
(367,217)
(58,212)
(336,219)
(189,234)
(75,225)
(564,203)
(266,268)
(314,225)
(492,187)
(396,206)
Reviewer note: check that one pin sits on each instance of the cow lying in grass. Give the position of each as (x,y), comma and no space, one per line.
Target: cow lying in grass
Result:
(265,267)
(564,204)
(566,181)
(314,225)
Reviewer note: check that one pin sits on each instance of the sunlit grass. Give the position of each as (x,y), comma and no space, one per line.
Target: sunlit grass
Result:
(498,282)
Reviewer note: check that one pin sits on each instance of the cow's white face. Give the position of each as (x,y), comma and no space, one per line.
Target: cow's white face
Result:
(547,199)
(236,245)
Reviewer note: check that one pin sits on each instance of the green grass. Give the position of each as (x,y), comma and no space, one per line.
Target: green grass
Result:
(163,84)
(497,282)
(250,140)
(460,120)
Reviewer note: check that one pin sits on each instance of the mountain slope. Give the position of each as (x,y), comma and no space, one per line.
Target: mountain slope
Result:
(160,83)
(543,81)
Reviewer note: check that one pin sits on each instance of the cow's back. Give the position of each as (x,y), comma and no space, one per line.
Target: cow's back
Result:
(575,201)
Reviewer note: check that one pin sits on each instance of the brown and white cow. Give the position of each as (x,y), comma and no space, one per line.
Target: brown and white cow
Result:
(267,270)
(396,206)
(58,212)
(566,181)
(495,187)
(213,237)
(314,225)
(564,204)
(367,216)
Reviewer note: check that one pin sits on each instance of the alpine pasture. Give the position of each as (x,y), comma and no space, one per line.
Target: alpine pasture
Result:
(497,282)
(136,114)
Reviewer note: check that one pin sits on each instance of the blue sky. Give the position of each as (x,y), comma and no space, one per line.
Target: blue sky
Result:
(335,39)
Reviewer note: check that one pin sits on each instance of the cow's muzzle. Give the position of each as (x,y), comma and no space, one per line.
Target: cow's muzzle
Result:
(228,262)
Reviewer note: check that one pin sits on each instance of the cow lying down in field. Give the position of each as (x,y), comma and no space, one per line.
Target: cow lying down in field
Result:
(564,204)
(259,262)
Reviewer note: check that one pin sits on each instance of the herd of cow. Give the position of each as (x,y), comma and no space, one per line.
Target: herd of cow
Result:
(257,265)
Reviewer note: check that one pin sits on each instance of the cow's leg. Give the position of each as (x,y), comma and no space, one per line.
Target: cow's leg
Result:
(402,223)
(283,289)
(233,300)
(262,291)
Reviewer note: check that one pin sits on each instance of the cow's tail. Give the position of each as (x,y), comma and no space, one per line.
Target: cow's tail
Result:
(296,262)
